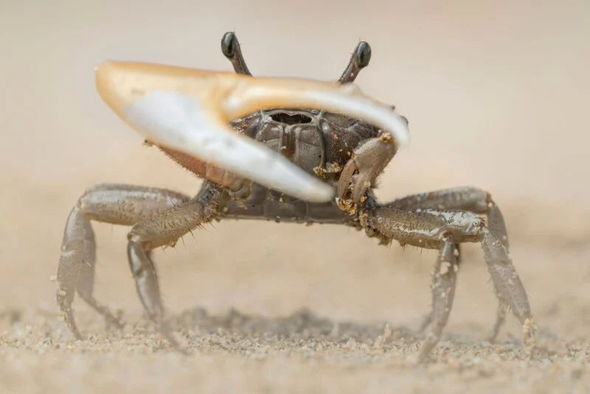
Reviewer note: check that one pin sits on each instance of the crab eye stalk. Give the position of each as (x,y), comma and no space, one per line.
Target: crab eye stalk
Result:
(360,59)
(230,46)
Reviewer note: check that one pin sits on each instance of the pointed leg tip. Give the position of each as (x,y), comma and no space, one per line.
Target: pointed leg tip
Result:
(167,334)
(529,330)
(419,358)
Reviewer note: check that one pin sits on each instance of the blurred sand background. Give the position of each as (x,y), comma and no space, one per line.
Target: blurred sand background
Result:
(497,96)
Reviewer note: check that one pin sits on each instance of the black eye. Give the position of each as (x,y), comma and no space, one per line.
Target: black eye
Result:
(286,118)
(228,44)
(363,54)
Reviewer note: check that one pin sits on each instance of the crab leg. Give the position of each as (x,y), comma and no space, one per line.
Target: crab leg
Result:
(158,216)
(189,110)
(470,199)
(428,228)
(444,279)
(110,203)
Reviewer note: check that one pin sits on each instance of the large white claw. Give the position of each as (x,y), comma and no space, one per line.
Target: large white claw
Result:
(189,110)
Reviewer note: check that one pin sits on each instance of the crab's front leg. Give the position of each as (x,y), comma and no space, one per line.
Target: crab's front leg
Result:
(360,172)
(444,279)
(162,229)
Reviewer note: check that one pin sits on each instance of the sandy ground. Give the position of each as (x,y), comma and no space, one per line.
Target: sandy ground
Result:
(497,97)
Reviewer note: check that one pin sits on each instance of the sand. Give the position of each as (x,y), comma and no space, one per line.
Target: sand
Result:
(496,98)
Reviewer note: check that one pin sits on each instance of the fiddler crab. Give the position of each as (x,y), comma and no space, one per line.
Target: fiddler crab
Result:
(293,150)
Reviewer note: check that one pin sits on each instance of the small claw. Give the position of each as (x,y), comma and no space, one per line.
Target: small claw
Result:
(346,178)
(189,110)
(367,162)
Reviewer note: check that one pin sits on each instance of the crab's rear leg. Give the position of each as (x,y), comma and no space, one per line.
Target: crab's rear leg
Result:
(117,204)
(508,286)
(76,269)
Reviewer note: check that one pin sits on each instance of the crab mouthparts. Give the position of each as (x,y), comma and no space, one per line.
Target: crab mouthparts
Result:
(189,110)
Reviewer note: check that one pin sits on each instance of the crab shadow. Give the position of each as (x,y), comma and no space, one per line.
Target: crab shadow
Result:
(300,327)
(305,331)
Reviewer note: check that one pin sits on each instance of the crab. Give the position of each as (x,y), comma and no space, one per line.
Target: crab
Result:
(280,149)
